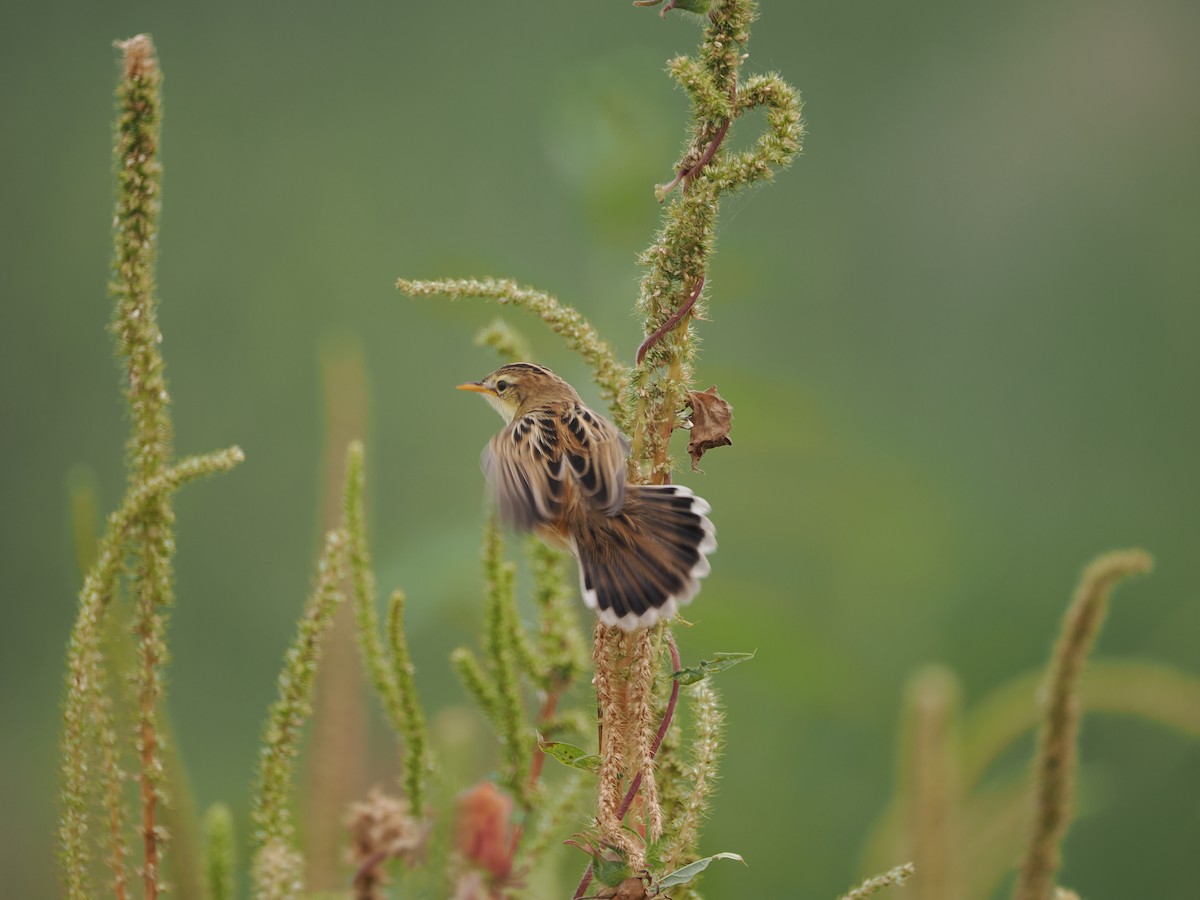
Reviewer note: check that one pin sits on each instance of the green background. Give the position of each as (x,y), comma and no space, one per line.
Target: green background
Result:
(959,335)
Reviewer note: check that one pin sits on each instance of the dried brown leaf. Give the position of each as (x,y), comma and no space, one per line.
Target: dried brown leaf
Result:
(712,417)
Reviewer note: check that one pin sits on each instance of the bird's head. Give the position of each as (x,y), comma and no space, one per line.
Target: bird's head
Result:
(519,387)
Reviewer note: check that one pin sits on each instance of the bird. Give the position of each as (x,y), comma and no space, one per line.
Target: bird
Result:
(557,469)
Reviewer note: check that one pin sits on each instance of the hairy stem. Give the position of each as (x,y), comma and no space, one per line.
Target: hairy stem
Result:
(139,172)
(663,727)
(706,751)
(85,660)
(874,885)
(411,717)
(1058,753)
(610,376)
(390,668)
(278,865)
(677,262)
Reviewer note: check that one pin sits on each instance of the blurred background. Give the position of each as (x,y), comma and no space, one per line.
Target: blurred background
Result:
(959,336)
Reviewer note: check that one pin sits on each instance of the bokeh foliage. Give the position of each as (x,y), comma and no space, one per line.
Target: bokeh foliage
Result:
(961,358)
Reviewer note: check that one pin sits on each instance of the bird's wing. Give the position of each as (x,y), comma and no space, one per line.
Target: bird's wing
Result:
(595,452)
(524,465)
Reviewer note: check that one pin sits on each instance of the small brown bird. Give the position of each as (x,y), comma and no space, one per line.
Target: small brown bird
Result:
(558,469)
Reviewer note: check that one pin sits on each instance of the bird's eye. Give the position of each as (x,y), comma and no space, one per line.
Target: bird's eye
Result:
(501,385)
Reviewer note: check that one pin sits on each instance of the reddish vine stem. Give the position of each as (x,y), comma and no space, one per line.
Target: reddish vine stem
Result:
(535,767)
(547,710)
(583,883)
(675,319)
(710,151)
(627,802)
(668,715)
(679,176)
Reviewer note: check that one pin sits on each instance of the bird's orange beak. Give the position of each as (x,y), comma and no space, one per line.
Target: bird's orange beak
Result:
(477,386)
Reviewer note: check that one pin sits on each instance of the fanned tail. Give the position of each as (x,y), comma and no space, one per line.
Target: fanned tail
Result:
(642,564)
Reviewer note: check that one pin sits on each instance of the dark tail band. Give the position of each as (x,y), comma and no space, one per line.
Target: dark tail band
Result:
(641,565)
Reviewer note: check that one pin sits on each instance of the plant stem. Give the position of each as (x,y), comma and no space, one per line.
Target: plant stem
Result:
(84,679)
(662,729)
(1058,753)
(535,767)
(627,802)
(139,172)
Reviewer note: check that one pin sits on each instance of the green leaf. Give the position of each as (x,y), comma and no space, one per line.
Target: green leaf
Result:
(691,870)
(610,872)
(719,663)
(570,755)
